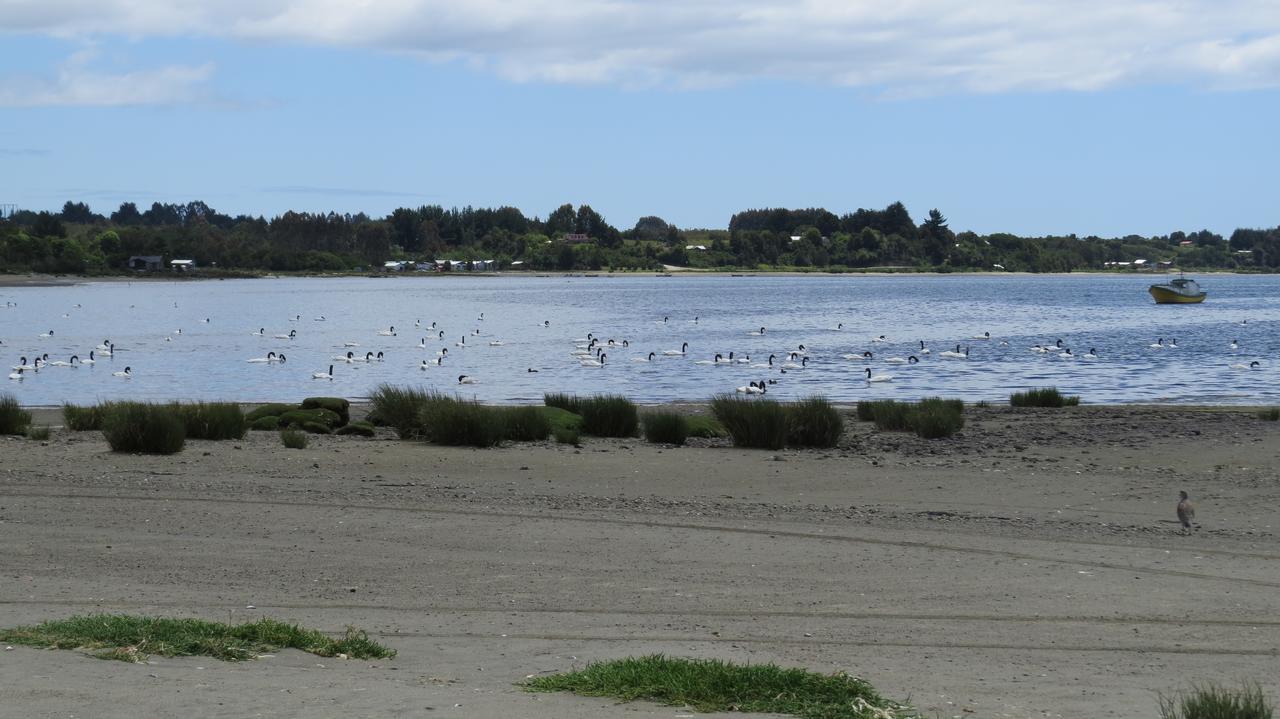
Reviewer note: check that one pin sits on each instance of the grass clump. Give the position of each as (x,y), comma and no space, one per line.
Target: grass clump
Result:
(40,433)
(566,435)
(302,417)
(757,423)
(294,438)
(132,638)
(13,418)
(934,417)
(1042,397)
(666,428)
(361,429)
(143,428)
(525,424)
(813,422)
(265,424)
(1271,414)
(269,410)
(562,418)
(609,415)
(212,420)
(458,422)
(401,408)
(337,405)
(711,685)
(83,419)
(315,428)
(566,402)
(1211,701)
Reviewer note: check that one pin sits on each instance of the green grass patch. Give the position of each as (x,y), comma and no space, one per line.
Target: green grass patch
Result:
(757,423)
(566,402)
(360,429)
(302,417)
(401,408)
(609,415)
(710,685)
(813,422)
(132,638)
(212,420)
(1271,414)
(524,424)
(265,424)
(666,428)
(269,410)
(294,438)
(83,419)
(337,405)
(13,418)
(1042,397)
(457,422)
(931,417)
(1212,701)
(38,433)
(566,435)
(705,427)
(143,428)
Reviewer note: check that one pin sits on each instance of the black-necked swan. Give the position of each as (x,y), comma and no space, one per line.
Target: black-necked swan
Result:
(46,335)
(792,365)
(464,379)
(1092,354)
(716,360)
(388,332)
(70,363)
(126,373)
(594,362)
(1235,344)
(323,375)
(878,377)
(757,333)
(752,388)
(16,374)
(1252,365)
(91,360)
(292,334)
(106,345)
(271,357)
(644,359)
(956,354)
(673,353)
(764,365)
(261,331)
(903,360)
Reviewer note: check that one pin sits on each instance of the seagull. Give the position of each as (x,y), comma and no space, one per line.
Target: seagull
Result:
(1186,512)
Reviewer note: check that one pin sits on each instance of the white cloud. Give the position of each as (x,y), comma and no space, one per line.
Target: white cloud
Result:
(903,47)
(76,83)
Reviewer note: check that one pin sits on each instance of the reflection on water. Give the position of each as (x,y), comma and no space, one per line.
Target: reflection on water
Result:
(537,323)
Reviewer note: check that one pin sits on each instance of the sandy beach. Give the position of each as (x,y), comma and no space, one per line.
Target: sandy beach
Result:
(1029,567)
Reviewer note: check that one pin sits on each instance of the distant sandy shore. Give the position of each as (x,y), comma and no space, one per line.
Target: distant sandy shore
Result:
(1029,566)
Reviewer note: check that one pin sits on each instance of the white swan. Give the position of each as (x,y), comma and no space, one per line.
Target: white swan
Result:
(983,336)
(323,375)
(718,359)
(764,365)
(793,365)
(46,335)
(676,353)
(292,334)
(878,377)
(389,332)
(594,362)
(1092,354)
(644,359)
(752,388)
(903,360)
(91,360)
(271,357)
(1252,365)
(1159,344)
(758,333)
(924,350)
(16,374)
(956,354)
(106,345)
(126,373)
(464,379)
(1235,344)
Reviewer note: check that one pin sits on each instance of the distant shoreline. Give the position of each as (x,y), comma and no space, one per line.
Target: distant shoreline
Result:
(72,280)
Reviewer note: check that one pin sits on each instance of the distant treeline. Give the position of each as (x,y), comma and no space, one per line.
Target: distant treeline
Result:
(78,240)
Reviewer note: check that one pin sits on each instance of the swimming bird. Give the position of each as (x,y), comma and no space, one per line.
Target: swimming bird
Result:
(1159,344)
(531,370)
(350,344)
(903,360)
(1173,344)
(261,331)
(674,353)
(1235,344)
(317,318)
(804,361)
(17,375)
(752,388)
(106,345)
(323,375)
(389,332)
(271,357)
(878,378)
(1092,354)
(444,352)
(598,362)
(955,354)
(126,373)
(924,350)
(1186,512)
(839,326)
(495,343)
(70,363)
(1066,354)
(758,333)
(46,335)
(464,379)
(983,336)
(278,358)
(91,360)
(644,359)
(881,338)
(716,360)
(292,334)
(764,365)
(1252,365)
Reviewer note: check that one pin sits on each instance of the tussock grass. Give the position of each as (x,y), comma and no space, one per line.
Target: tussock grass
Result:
(1042,397)
(524,424)
(294,438)
(1212,701)
(710,685)
(303,417)
(562,418)
(931,417)
(83,419)
(132,638)
(705,427)
(143,428)
(566,435)
(38,433)
(337,405)
(1271,414)
(609,415)
(461,423)
(757,423)
(400,408)
(813,422)
(13,418)
(212,420)
(566,402)
(265,424)
(666,428)
(269,410)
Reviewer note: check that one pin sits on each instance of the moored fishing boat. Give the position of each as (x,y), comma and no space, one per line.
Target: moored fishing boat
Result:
(1178,291)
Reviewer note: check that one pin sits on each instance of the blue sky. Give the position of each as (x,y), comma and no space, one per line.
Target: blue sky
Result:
(1123,118)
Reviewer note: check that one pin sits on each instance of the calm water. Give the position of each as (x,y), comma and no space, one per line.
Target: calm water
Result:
(207,360)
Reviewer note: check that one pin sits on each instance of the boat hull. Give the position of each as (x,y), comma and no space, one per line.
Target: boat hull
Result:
(1166,296)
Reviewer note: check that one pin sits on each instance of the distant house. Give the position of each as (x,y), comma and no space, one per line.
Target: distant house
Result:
(394,266)
(182,265)
(1186,243)
(517,265)
(483,265)
(150,263)
(1139,263)
(700,248)
(576,238)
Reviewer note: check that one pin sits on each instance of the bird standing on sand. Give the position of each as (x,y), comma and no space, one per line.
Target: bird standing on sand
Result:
(1186,512)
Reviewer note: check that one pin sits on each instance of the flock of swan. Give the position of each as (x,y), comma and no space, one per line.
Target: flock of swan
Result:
(430,348)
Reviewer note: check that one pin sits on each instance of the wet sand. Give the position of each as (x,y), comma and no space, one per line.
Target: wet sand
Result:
(1030,566)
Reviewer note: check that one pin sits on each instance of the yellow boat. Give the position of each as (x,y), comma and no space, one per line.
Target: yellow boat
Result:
(1179,291)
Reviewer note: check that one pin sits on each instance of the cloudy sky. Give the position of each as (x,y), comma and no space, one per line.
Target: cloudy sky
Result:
(1057,116)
